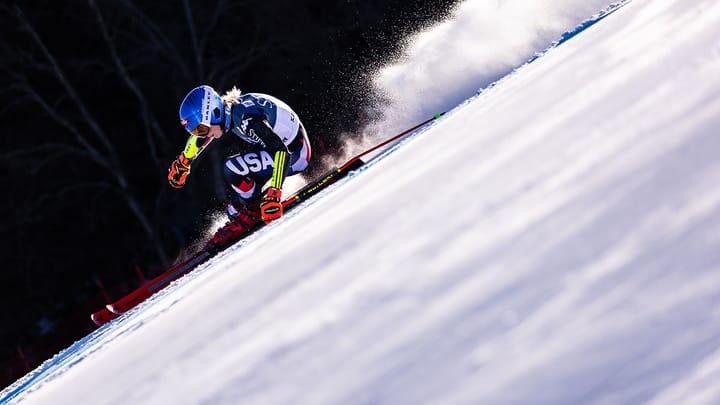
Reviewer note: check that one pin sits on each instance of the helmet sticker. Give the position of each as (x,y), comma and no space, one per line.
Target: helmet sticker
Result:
(206,107)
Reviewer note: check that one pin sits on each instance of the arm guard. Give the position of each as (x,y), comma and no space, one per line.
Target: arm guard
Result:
(194,146)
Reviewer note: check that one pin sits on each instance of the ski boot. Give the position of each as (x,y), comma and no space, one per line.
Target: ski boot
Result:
(241,223)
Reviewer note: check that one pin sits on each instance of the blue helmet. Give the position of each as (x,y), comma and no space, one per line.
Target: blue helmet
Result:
(201,106)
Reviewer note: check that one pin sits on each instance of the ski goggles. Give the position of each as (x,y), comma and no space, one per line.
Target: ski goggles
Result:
(201,130)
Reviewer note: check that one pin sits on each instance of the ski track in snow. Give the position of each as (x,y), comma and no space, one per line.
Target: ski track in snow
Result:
(581,264)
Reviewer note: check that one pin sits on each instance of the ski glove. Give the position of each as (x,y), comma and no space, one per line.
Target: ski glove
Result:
(271,207)
(179,170)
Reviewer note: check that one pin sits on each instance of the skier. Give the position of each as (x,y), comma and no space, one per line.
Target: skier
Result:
(276,146)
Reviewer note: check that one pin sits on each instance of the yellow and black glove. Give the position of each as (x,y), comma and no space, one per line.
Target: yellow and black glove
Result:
(179,170)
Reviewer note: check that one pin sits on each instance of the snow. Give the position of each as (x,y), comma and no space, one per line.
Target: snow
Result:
(554,239)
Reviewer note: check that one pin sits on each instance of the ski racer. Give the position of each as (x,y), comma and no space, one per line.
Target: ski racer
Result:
(275,144)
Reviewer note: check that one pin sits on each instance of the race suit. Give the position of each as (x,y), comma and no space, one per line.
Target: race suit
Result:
(276,145)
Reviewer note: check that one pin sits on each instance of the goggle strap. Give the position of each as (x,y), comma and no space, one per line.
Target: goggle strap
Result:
(227,117)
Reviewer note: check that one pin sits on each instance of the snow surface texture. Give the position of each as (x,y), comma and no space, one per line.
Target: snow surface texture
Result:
(555,239)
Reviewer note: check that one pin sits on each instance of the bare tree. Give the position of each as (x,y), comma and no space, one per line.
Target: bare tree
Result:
(133,40)
(105,154)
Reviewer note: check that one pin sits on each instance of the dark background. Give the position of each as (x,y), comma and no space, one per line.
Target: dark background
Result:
(90,92)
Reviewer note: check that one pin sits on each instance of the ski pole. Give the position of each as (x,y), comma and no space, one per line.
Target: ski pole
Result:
(394,138)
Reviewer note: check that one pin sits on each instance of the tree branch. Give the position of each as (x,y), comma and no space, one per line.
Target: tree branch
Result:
(197,51)
(165,45)
(92,152)
(63,80)
(110,162)
(149,120)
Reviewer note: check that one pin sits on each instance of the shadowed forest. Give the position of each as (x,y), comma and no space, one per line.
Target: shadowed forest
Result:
(90,94)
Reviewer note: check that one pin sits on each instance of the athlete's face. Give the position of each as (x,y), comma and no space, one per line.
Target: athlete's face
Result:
(215,131)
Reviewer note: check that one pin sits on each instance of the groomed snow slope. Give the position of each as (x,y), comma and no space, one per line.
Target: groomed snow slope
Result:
(554,240)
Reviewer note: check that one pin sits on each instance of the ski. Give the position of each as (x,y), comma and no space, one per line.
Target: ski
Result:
(129,301)
(141,294)
(103,316)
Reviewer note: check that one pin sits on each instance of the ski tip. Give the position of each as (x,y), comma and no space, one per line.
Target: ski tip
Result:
(102,317)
